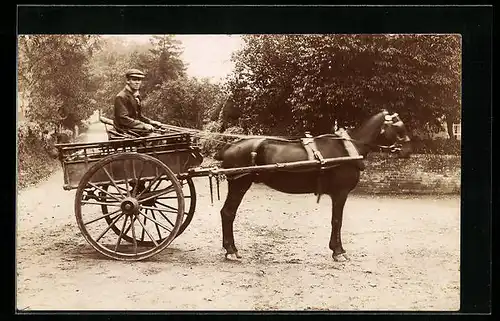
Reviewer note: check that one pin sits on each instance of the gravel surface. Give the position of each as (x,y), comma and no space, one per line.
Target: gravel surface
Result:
(404,255)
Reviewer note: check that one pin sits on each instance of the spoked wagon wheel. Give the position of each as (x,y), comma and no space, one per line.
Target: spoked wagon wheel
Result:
(189,192)
(134,187)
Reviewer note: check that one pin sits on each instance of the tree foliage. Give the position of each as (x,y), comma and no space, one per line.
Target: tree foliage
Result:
(169,95)
(162,62)
(54,71)
(184,102)
(108,69)
(286,84)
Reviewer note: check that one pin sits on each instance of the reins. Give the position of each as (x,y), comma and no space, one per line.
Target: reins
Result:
(203,133)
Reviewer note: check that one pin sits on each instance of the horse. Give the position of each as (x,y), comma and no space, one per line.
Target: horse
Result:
(337,181)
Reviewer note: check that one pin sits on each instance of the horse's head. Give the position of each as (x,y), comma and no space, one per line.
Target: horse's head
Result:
(394,135)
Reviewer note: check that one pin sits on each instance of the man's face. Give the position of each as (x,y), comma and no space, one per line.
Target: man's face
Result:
(134,83)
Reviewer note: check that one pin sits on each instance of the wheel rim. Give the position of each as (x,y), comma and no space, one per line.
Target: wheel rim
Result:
(120,219)
(189,192)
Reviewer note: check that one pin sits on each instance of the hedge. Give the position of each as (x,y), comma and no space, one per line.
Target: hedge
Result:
(34,163)
(436,146)
(419,174)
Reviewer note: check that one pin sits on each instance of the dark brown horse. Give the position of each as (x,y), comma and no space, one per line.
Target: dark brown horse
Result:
(336,181)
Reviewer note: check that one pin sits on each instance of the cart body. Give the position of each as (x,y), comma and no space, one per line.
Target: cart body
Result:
(174,150)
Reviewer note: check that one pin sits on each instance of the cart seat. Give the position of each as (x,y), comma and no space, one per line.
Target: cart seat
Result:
(114,132)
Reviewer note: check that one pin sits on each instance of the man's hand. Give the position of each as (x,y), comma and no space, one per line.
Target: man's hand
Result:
(156,123)
(148,127)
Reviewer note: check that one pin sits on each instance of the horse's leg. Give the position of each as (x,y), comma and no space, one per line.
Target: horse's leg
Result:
(236,190)
(338,202)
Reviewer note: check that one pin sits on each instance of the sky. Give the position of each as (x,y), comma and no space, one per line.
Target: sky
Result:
(209,55)
(204,55)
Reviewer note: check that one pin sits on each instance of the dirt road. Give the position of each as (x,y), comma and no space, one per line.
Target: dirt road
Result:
(404,255)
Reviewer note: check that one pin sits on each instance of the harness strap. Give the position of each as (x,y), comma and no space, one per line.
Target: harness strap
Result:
(253,154)
(313,153)
(311,149)
(255,147)
(349,146)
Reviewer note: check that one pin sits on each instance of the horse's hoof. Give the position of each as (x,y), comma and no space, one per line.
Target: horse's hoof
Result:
(340,257)
(233,256)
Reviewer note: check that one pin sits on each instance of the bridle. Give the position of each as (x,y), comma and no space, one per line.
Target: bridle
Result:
(389,122)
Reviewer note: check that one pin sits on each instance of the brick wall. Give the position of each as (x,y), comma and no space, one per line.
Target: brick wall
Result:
(420,174)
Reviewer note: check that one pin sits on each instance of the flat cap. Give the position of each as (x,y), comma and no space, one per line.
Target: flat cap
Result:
(134,73)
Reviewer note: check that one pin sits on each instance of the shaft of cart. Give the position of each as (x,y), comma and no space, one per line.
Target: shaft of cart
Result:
(309,164)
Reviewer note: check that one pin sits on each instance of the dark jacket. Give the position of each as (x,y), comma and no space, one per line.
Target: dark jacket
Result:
(128,111)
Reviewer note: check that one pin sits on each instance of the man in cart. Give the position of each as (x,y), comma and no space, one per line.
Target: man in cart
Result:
(128,106)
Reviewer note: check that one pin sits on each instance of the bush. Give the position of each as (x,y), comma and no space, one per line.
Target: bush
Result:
(436,146)
(212,142)
(34,163)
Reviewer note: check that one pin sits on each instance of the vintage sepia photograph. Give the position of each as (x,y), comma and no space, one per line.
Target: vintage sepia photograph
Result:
(240,172)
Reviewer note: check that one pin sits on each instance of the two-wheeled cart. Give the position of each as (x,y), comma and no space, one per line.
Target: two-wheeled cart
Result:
(134,196)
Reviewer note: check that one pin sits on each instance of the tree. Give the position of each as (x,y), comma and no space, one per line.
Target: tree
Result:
(184,102)
(54,70)
(286,84)
(161,63)
(169,95)
(108,68)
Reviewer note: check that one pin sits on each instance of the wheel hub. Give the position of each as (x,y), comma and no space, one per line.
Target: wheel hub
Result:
(130,206)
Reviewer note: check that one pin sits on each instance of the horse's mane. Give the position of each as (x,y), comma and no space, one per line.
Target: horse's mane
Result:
(366,128)
(360,130)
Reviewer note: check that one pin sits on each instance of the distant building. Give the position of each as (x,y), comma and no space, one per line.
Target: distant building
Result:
(457,131)
(441,134)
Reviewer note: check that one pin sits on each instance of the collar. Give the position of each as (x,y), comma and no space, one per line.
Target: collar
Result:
(134,93)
